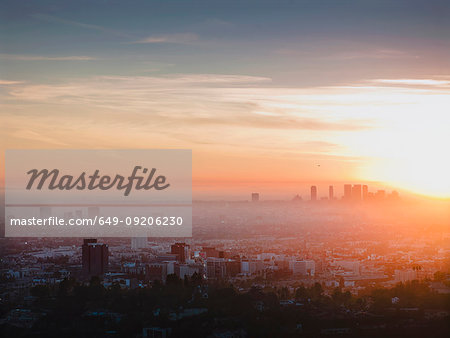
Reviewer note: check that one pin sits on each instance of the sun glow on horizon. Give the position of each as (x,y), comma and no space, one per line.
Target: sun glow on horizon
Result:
(393,134)
(409,149)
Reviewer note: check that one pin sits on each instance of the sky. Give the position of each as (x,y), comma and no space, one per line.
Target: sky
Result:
(271,96)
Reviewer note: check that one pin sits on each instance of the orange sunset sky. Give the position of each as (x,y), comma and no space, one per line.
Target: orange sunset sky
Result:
(268,97)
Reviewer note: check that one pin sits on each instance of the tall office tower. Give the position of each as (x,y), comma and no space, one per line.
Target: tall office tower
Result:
(181,250)
(305,268)
(347,192)
(356,192)
(255,197)
(365,192)
(216,268)
(94,257)
(313,193)
(331,192)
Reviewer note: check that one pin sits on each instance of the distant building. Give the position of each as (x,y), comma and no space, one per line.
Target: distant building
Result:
(255,197)
(233,267)
(219,268)
(213,252)
(216,268)
(94,257)
(139,243)
(313,193)
(251,267)
(365,192)
(181,250)
(347,192)
(380,195)
(304,268)
(356,192)
(405,275)
(156,271)
(166,258)
(297,198)
(331,193)
(394,195)
(350,266)
(182,270)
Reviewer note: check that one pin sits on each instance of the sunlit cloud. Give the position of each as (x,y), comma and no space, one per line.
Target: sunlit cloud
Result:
(190,100)
(373,54)
(37,137)
(8,82)
(345,52)
(353,131)
(413,82)
(183,38)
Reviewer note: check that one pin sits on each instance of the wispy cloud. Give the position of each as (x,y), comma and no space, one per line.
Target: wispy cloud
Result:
(413,82)
(248,117)
(8,82)
(46,58)
(373,54)
(346,52)
(37,137)
(191,100)
(183,38)
(50,18)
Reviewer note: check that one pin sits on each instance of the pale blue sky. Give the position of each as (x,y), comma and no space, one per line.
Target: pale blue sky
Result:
(299,43)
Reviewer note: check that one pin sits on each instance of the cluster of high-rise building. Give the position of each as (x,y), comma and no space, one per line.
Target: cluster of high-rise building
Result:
(355,192)
(208,262)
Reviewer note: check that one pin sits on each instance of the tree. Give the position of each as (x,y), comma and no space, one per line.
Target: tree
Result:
(316,291)
(40,291)
(301,292)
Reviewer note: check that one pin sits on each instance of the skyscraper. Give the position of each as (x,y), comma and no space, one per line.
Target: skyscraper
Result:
(356,192)
(181,250)
(94,257)
(347,192)
(313,193)
(255,197)
(331,192)
(365,192)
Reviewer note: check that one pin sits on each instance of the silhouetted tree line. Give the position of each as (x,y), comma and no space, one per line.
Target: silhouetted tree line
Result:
(75,309)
